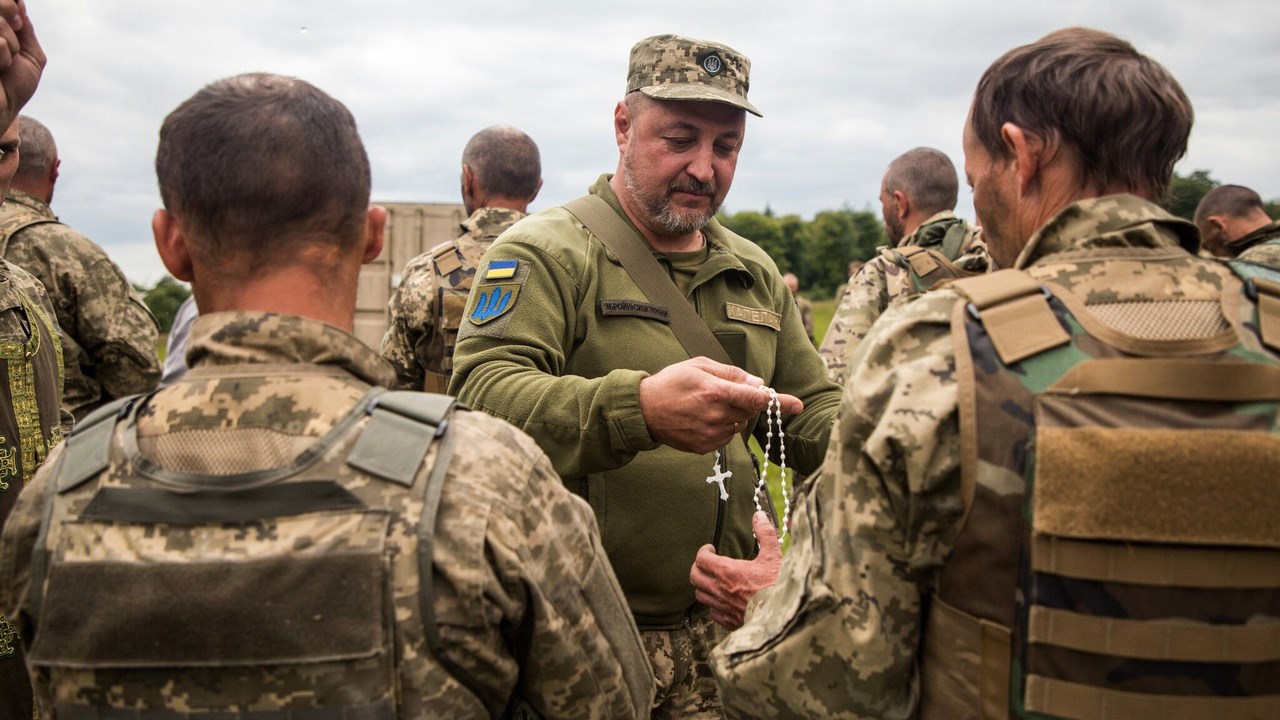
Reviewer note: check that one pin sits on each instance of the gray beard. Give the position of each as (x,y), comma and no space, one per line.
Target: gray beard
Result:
(661,213)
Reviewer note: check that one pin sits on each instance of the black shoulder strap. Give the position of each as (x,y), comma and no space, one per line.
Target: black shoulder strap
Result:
(637,259)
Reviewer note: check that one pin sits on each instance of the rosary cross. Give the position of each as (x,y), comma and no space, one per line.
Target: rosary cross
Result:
(719,477)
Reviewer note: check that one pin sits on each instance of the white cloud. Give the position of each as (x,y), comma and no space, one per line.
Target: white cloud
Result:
(844,86)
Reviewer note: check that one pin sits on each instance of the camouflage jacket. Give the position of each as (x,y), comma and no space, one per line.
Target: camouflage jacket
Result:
(419,339)
(31,423)
(1262,246)
(881,283)
(874,528)
(109,336)
(524,597)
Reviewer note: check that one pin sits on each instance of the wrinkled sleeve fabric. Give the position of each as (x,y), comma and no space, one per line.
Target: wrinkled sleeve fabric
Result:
(837,636)
(411,321)
(526,600)
(117,331)
(514,367)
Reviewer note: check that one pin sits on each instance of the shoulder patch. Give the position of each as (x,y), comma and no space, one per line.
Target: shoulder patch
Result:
(492,302)
(501,269)
(755,316)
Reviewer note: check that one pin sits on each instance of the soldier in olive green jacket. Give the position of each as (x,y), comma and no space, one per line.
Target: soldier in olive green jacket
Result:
(559,340)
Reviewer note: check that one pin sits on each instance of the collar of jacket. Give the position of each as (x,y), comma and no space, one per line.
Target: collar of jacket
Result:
(241,338)
(1112,221)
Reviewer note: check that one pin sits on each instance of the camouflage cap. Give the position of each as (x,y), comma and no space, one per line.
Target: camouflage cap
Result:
(670,67)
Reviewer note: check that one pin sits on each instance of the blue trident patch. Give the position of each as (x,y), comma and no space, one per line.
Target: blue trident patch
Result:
(493,301)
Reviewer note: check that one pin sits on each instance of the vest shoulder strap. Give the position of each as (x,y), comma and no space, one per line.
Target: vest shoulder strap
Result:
(88,447)
(1266,293)
(1014,309)
(394,442)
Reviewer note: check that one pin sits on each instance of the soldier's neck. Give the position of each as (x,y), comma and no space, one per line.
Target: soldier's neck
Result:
(288,291)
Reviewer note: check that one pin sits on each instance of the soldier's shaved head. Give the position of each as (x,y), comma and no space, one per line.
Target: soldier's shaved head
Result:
(927,176)
(1226,214)
(1234,200)
(37,152)
(257,164)
(505,161)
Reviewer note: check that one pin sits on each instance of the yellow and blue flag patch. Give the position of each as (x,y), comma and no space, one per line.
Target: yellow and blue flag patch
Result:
(501,269)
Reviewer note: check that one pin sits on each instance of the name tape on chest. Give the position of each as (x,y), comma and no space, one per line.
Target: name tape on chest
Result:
(634,308)
(755,316)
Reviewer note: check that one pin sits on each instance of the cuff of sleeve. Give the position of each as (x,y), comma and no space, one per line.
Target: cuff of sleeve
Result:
(628,430)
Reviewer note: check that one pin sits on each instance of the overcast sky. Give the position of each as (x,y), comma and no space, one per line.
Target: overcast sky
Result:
(844,86)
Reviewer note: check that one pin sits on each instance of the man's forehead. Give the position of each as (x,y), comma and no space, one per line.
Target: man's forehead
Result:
(699,114)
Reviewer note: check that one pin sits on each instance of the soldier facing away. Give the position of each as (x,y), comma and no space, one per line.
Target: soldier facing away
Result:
(1234,224)
(109,336)
(501,175)
(928,244)
(618,385)
(1020,516)
(274,534)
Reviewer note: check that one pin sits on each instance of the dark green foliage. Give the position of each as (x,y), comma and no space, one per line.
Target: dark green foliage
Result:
(818,251)
(1185,192)
(164,299)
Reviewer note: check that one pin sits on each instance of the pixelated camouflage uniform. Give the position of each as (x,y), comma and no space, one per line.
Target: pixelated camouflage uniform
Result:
(109,336)
(420,338)
(840,634)
(524,598)
(31,423)
(886,279)
(1262,246)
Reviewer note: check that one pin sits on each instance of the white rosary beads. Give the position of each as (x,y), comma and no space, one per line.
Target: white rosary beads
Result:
(773,418)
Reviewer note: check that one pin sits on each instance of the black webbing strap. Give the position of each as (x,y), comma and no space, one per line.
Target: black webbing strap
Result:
(637,259)
(431,493)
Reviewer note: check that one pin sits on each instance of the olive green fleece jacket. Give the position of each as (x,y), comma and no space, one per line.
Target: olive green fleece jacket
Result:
(562,358)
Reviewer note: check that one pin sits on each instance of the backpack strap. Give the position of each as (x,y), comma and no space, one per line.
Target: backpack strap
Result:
(1014,310)
(953,241)
(637,259)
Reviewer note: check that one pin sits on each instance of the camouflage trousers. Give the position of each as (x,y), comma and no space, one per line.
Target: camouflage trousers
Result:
(681,669)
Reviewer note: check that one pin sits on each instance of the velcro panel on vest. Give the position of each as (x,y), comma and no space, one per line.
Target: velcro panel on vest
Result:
(919,258)
(1268,312)
(1158,485)
(1084,702)
(302,589)
(1014,310)
(402,426)
(445,256)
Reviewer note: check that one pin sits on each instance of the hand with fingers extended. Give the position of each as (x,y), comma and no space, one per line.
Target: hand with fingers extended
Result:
(726,585)
(21,59)
(699,405)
